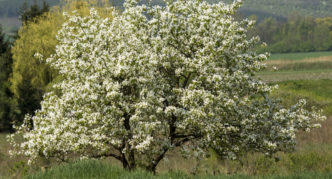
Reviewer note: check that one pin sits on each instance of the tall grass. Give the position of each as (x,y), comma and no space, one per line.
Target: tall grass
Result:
(317,92)
(98,169)
(305,64)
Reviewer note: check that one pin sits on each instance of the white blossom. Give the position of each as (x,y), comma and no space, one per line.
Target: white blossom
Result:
(136,87)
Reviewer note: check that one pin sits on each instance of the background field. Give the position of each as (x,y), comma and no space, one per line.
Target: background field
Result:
(298,66)
(299,56)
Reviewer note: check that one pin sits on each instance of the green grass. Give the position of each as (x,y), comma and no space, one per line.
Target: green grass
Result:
(317,92)
(99,169)
(318,89)
(298,67)
(315,65)
(280,76)
(299,56)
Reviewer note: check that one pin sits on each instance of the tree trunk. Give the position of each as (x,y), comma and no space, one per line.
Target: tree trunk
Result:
(128,164)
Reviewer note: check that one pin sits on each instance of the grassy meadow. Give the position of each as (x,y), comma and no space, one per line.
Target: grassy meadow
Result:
(298,66)
(308,77)
(299,56)
(100,169)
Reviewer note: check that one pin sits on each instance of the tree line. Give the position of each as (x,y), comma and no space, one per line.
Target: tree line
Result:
(317,8)
(5,93)
(11,108)
(297,34)
(10,8)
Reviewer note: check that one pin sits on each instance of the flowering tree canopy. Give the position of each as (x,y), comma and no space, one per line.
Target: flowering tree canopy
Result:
(156,78)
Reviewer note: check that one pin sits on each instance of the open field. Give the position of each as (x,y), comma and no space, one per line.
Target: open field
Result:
(316,92)
(317,63)
(298,66)
(299,56)
(295,75)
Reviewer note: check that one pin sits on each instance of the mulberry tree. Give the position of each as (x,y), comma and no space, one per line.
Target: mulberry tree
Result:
(156,78)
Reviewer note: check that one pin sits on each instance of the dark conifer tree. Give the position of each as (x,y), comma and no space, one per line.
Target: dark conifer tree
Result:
(27,13)
(6,62)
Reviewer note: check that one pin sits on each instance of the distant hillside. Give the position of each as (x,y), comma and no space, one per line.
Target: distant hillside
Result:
(277,8)
(283,8)
(10,8)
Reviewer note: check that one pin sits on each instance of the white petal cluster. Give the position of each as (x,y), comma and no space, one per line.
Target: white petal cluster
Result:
(156,78)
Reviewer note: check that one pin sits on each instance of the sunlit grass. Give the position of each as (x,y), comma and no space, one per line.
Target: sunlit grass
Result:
(299,56)
(295,75)
(319,63)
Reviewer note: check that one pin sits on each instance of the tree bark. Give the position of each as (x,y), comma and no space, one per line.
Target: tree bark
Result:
(130,161)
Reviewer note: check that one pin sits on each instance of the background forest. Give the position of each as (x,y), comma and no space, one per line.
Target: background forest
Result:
(277,8)
(286,26)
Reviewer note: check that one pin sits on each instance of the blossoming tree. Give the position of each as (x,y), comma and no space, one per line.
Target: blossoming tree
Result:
(157,78)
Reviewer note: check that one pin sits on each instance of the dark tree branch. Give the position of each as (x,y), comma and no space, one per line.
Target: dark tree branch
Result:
(108,155)
(155,162)
(172,128)
(177,136)
(187,78)
(181,142)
